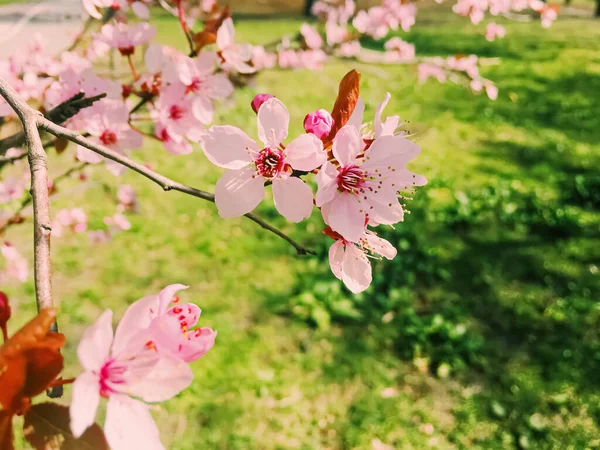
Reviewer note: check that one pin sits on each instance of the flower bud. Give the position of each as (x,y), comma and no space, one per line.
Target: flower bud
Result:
(4,313)
(258,100)
(318,123)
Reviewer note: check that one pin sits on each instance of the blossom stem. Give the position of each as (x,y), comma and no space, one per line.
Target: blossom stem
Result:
(132,67)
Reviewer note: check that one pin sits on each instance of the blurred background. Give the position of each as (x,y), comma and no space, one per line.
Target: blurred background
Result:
(482,333)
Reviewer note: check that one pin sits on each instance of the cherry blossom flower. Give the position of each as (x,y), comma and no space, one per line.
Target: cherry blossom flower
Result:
(398,50)
(108,124)
(312,38)
(261,59)
(494,31)
(235,56)
(99,237)
(312,59)
(288,58)
(427,71)
(118,221)
(349,49)
(318,123)
(334,33)
(161,322)
(91,7)
(126,37)
(74,219)
(365,183)
(119,369)
(349,260)
(127,199)
(12,188)
(241,188)
(16,266)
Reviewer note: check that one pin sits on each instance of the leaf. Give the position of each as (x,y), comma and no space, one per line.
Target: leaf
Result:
(46,427)
(344,103)
(6,433)
(204,38)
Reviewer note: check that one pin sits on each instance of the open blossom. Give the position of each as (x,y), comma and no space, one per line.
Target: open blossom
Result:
(312,59)
(318,123)
(349,49)
(349,262)
(251,165)
(107,122)
(399,50)
(118,221)
(161,322)
(363,185)
(126,37)
(127,199)
(427,71)
(236,56)
(121,370)
(16,266)
(312,38)
(261,59)
(334,33)
(494,31)
(74,219)
(11,188)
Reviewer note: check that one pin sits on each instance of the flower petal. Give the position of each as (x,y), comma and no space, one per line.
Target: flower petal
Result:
(306,152)
(337,257)
(377,125)
(228,147)
(84,402)
(273,122)
(390,151)
(238,192)
(380,246)
(346,218)
(95,343)
(197,344)
(356,274)
(129,425)
(225,34)
(202,108)
(357,115)
(327,184)
(137,317)
(293,198)
(347,145)
(166,295)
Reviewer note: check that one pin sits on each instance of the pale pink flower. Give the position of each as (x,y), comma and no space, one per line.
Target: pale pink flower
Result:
(467,64)
(349,261)
(241,188)
(198,76)
(16,266)
(491,91)
(548,16)
(349,49)
(12,188)
(71,83)
(108,124)
(127,198)
(312,59)
(74,219)
(118,221)
(312,38)
(289,59)
(319,123)
(494,31)
(364,184)
(399,50)
(258,100)
(261,59)
(334,33)
(174,143)
(427,71)
(122,370)
(208,5)
(99,237)
(236,56)
(126,37)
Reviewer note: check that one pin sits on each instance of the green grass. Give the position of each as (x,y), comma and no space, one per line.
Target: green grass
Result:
(528,292)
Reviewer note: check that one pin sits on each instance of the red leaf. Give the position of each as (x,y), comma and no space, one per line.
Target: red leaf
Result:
(46,427)
(6,433)
(344,103)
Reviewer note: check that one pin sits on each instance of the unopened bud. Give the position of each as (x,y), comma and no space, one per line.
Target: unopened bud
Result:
(318,123)
(258,100)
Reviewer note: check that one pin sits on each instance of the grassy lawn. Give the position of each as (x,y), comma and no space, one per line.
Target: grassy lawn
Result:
(484,333)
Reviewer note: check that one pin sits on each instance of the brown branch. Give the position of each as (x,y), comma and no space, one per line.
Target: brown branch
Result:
(166,183)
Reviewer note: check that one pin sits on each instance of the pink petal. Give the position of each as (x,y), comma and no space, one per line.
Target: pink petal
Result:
(187,314)
(357,115)
(346,218)
(327,183)
(336,258)
(95,343)
(305,153)
(206,62)
(90,8)
(129,425)
(168,378)
(197,344)
(202,108)
(166,296)
(380,246)
(137,317)
(225,34)
(390,151)
(219,86)
(228,147)
(273,122)
(293,198)
(377,125)
(347,145)
(140,10)
(84,402)
(238,192)
(88,156)
(357,270)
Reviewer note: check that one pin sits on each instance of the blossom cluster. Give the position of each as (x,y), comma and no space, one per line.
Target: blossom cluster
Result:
(360,174)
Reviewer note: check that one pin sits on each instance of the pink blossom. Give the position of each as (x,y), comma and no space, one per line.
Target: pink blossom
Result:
(160,322)
(318,123)
(236,56)
(241,188)
(334,33)
(258,100)
(108,124)
(174,143)
(208,5)
(427,71)
(91,6)
(16,266)
(11,188)
(491,91)
(399,50)
(118,221)
(127,198)
(493,31)
(349,49)
(261,59)
(311,36)
(74,219)
(126,37)
(349,261)
(99,237)
(289,58)
(312,59)
(363,185)
(548,16)
(121,369)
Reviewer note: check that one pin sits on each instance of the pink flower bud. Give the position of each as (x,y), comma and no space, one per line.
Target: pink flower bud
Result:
(318,123)
(258,100)
(4,313)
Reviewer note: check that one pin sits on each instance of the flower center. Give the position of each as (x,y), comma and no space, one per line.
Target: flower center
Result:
(195,85)
(176,112)
(270,162)
(350,179)
(111,374)
(108,137)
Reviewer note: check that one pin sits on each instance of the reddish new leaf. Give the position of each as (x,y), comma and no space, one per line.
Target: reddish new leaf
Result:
(46,427)
(6,433)
(344,103)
